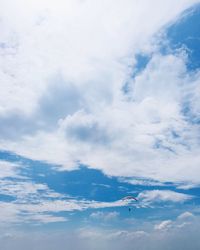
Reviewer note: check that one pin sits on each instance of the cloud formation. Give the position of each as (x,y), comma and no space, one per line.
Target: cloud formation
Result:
(64,70)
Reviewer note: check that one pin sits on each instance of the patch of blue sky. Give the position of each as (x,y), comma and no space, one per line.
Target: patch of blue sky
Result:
(6,198)
(188,113)
(185,33)
(82,183)
(142,61)
(160,145)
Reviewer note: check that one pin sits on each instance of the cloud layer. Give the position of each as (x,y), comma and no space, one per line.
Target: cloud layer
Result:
(181,233)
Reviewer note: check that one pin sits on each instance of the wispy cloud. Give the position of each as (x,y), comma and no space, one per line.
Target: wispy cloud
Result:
(105,216)
(163,196)
(9,169)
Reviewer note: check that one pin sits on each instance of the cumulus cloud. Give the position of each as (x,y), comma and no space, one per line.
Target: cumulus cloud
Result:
(64,66)
(184,220)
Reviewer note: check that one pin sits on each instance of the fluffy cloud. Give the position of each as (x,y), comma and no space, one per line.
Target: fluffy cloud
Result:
(63,68)
(182,221)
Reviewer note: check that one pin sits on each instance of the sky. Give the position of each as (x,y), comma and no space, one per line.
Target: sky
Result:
(99,100)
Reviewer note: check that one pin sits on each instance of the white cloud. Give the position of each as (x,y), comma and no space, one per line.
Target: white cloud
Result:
(163,196)
(188,186)
(45,218)
(183,221)
(17,214)
(63,65)
(34,207)
(8,169)
(105,216)
(20,187)
(164,225)
(9,214)
(27,190)
(186,216)
(142,182)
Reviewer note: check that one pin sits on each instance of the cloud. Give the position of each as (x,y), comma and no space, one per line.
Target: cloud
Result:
(26,190)
(64,66)
(73,92)
(167,234)
(186,216)
(184,220)
(142,182)
(46,208)
(36,203)
(163,196)
(16,185)
(9,214)
(188,186)
(164,225)
(8,169)
(90,237)
(115,143)
(44,218)
(82,127)
(105,216)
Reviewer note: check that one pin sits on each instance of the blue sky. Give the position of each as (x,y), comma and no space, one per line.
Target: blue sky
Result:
(100,101)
